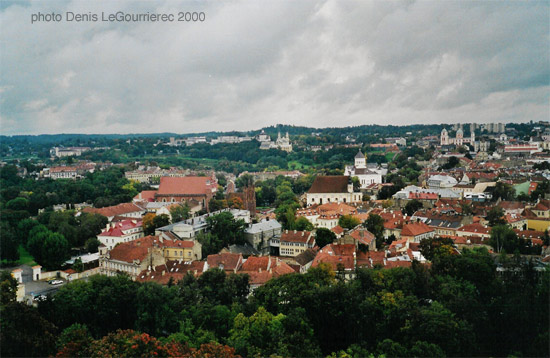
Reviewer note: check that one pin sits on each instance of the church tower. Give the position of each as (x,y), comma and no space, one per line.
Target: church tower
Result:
(360,160)
(444,137)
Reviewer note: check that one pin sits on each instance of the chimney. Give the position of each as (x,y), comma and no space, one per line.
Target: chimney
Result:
(163,272)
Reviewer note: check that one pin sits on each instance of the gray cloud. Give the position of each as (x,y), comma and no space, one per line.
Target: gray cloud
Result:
(252,64)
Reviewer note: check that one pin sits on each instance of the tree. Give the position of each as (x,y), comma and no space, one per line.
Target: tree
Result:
(375,224)
(78,266)
(495,216)
(8,243)
(451,163)
(8,288)
(348,221)
(257,334)
(55,251)
(412,206)
(356,183)
(226,229)
(129,344)
(436,246)
(324,236)
(504,237)
(74,341)
(303,224)
(92,244)
(244,181)
(180,212)
(147,224)
(25,333)
(503,191)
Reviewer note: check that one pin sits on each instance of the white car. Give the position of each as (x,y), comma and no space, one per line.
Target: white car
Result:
(56,282)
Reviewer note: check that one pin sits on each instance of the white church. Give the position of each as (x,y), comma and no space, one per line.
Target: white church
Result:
(459,138)
(366,175)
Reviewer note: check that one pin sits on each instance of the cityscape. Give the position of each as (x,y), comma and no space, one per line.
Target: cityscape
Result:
(244,178)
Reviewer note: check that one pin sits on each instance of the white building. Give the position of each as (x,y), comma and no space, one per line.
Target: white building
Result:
(332,189)
(459,139)
(441,181)
(367,176)
(123,231)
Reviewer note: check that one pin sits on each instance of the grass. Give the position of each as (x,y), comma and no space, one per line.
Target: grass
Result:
(24,257)
(298,165)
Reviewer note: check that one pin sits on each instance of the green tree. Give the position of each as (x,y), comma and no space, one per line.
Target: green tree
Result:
(303,224)
(55,251)
(495,216)
(324,236)
(436,246)
(180,212)
(9,243)
(8,288)
(412,206)
(503,191)
(25,333)
(348,221)
(504,237)
(92,244)
(375,224)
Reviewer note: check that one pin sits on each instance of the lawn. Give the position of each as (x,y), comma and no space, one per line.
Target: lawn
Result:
(298,165)
(24,257)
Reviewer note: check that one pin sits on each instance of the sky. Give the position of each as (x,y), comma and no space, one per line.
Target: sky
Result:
(252,64)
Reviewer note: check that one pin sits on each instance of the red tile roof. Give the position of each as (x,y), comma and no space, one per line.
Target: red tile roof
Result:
(186,185)
(120,209)
(415,229)
(119,227)
(173,269)
(147,195)
(298,236)
(330,184)
(229,261)
(334,261)
(475,228)
(337,230)
(133,250)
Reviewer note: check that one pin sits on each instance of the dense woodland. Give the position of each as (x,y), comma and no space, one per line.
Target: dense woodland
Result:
(459,306)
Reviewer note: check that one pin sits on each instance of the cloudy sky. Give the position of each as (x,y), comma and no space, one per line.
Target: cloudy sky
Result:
(256,63)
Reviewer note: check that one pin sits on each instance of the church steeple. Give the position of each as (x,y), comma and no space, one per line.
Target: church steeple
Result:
(360,160)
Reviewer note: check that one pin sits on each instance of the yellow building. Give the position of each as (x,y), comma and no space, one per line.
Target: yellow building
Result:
(182,250)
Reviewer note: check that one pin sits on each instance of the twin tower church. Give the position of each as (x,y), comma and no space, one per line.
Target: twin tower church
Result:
(459,138)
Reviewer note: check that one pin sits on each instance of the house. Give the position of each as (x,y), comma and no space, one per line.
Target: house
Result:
(259,234)
(181,189)
(173,270)
(417,231)
(262,269)
(326,215)
(228,262)
(363,238)
(181,249)
(119,232)
(293,243)
(475,229)
(131,257)
(337,188)
(127,210)
(304,260)
(444,222)
(62,172)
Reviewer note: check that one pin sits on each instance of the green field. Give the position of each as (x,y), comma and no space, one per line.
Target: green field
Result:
(298,165)
(24,257)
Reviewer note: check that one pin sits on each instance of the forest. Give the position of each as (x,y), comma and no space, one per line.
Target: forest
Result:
(460,305)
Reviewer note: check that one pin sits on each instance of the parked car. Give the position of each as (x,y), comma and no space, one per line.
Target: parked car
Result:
(55,282)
